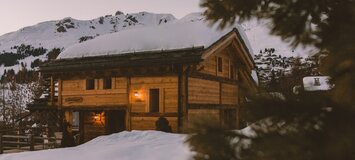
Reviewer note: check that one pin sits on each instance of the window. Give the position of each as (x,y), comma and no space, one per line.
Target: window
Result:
(90,84)
(75,121)
(219,64)
(154,100)
(107,83)
(231,71)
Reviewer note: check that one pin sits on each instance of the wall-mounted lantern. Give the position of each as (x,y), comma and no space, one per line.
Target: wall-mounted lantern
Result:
(136,94)
(98,117)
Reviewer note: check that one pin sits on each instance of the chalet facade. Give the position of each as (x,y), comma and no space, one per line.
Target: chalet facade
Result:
(107,93)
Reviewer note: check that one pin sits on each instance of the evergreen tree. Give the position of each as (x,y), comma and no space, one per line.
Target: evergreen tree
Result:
(327,24)
(311,125)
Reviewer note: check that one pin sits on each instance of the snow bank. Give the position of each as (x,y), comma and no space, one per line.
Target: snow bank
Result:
(135,145)
(190,31)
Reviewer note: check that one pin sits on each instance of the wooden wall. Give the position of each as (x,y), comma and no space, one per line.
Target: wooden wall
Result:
(167,88)
(148,123)
(203,91)
(229,94)
(210,64)
(92,127)
(74,93)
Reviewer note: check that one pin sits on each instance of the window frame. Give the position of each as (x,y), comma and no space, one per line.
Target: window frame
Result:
(107,83)
(90,84)
(232,74)
(219,62)
(150,107)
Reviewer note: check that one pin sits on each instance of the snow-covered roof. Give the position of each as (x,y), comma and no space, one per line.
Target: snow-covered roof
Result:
(188,32)
(317,83)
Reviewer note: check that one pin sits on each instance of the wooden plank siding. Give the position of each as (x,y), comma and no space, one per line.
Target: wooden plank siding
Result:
(229,94)
(211,92)
(214,94)
(168,105)
(167,88)
(210,64)
(203,91)
(75,89)
(148,123)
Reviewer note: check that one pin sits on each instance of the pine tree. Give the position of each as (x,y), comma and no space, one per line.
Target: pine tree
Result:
(326,24)
(309,125)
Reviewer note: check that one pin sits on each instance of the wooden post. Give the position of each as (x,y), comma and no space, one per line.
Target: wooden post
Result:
(180,101)
(1,145)
(32,142)
(60,86)
(52,90)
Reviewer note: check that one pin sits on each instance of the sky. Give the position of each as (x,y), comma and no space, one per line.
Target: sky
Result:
(16,14)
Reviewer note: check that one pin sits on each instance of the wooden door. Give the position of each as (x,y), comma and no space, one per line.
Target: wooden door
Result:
(115,121)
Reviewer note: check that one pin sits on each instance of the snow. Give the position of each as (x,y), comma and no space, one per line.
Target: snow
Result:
(147,145)
(126,145)
(254,75)
(188,32)
(45,34)
(317,83)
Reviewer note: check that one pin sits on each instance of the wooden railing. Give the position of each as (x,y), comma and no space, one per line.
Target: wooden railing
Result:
(27,142)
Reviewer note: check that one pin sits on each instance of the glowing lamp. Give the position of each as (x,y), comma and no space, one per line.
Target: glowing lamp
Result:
(136,94)
(97,117)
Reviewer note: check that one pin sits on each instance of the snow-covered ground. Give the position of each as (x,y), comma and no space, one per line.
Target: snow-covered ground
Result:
(134,145)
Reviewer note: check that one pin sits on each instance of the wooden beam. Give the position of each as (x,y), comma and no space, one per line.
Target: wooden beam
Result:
(206,76)
(211,106)
(94,108)
(124,60)
(129,97)
(52,91)
(119,72)
(180,101)
(60,88)
(149,114)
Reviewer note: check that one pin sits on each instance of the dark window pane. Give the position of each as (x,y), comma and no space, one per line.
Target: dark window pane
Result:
(232,72)
(219,64)
(90,84)
(107,83)
(154,100)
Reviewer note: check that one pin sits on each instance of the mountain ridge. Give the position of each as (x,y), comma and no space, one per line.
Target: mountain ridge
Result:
(68,31)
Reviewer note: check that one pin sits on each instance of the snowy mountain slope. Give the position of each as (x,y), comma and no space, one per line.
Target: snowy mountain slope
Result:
(68,31)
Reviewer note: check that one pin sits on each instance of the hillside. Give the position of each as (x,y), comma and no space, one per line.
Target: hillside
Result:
(68,31)
(30,45)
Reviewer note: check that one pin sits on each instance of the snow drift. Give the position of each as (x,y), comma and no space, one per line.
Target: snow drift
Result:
(134,145)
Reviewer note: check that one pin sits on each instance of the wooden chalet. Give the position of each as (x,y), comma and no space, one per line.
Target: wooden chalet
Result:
(105,94)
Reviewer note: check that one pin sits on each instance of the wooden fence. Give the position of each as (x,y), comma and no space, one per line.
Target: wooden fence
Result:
(27,142)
